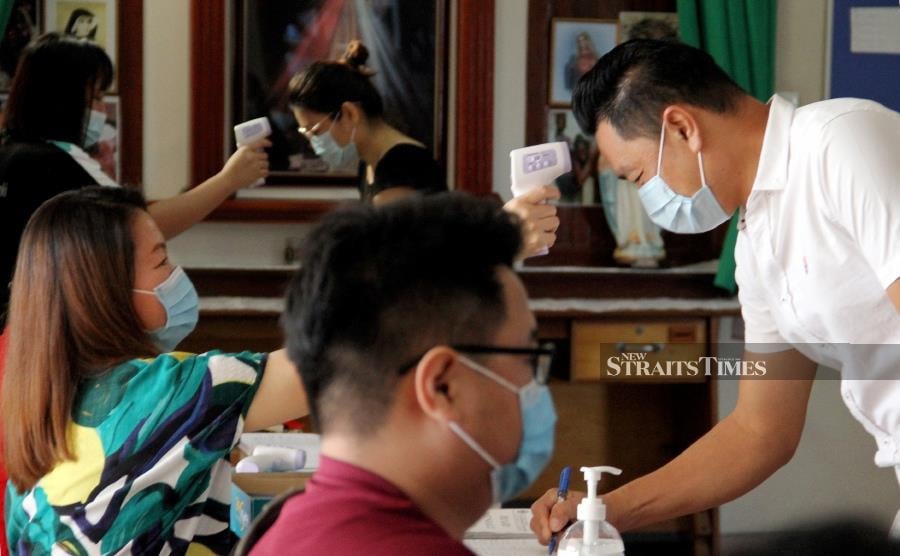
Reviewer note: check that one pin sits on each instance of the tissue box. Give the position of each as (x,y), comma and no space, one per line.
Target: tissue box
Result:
(250,492)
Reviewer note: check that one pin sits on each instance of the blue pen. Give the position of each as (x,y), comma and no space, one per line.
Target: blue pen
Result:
(561,494)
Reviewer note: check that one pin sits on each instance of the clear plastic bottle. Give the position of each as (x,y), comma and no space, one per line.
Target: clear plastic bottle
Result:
(592,535)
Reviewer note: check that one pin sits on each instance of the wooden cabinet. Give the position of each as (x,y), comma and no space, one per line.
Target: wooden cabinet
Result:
(637,351)
(636,422)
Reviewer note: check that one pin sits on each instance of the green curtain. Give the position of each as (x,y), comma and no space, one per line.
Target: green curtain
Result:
(740,36)
(6,7)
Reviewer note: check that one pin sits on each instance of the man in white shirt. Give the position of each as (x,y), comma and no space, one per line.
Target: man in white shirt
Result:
(818,256)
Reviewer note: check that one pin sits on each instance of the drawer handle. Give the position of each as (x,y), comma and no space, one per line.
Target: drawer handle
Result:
(623,347)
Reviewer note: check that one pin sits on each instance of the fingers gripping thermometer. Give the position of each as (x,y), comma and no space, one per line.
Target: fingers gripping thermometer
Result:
(250,131)
(538,165)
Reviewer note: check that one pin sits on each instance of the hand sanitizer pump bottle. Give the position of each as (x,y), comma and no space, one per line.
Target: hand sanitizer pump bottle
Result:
(592,535)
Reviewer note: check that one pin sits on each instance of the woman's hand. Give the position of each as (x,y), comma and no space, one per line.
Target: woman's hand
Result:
(539,219)
(247,165)
(548,517)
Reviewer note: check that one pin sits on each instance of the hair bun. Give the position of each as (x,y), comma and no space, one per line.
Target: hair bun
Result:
(356,56)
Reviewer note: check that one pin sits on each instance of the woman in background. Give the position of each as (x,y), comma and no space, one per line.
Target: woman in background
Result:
(342,115)
(114,443)
(55,112)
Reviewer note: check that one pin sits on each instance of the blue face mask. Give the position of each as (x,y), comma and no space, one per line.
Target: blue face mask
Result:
(94,130)
(178,296)
(677,213)
(333,154)
(536,447)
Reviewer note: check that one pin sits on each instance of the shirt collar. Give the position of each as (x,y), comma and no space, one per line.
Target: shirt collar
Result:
(336,473)
(772,172)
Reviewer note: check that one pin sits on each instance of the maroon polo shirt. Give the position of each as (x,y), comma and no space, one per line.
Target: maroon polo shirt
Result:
(347,510)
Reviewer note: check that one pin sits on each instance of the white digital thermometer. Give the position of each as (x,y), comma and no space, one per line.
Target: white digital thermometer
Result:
(538,165)
(250,131)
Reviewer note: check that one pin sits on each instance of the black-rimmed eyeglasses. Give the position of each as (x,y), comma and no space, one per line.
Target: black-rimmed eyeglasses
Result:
(540,358)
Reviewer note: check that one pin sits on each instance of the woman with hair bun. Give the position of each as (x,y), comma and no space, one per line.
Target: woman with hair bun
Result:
(342,115)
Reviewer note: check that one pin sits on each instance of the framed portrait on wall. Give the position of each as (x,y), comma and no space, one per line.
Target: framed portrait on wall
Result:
(22,26)
(648,25)
(273,41)
(94,20)
(575,46)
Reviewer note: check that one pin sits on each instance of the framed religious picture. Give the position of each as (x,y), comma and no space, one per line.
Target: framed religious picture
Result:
(648,25)
(274,41)
(22,26)
(575,46)
(93,20)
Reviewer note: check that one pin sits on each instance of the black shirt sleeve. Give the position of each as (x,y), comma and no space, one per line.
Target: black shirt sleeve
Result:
(30,173)
(406,165)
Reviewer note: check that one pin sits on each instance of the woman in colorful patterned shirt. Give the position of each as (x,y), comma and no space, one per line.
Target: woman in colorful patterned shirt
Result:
(113,442)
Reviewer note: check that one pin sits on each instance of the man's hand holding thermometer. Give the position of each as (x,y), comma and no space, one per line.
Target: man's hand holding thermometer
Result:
(531,170)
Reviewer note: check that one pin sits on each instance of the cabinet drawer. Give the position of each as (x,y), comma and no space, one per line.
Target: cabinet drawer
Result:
(637,351)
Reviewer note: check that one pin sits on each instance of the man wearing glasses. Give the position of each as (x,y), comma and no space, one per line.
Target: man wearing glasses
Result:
(419,356)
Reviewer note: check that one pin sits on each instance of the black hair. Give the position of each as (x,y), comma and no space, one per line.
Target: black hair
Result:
(53,88)
(380,286)
(325,86)
(632,84)
(73,17)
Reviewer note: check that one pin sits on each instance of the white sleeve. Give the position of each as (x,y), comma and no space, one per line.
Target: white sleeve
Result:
(761,333)
(861,178)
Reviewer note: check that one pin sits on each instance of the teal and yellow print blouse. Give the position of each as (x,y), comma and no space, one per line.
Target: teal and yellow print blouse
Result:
(151,439)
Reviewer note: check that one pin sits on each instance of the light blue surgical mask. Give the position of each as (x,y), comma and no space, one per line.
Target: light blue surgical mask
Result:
(94,130)
(333,154)
(536,446)
(678,213)
(177,294)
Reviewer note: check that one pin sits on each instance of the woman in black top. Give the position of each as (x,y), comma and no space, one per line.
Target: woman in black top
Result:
(54,112)
(341,113)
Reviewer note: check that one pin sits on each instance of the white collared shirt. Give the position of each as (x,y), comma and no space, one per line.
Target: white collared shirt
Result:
(818,245)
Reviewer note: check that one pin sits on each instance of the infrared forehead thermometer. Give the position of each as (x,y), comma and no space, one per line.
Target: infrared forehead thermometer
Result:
(250,131)
(538,165)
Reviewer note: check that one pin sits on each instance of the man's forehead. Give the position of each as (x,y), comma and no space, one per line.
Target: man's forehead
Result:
(620,154)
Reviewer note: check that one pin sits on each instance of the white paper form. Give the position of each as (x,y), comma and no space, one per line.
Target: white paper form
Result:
(503,524)
(875,30)
(506,547)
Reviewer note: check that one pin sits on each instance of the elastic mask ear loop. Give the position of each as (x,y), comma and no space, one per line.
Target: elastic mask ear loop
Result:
(702,176)
(470,442)
(662,142)
(487,373)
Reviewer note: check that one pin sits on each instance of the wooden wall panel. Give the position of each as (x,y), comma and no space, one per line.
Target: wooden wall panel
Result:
(130,83)
(475,96)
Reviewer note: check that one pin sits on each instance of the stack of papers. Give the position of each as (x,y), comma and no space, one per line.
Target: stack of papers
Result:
(504,533)
(309,443)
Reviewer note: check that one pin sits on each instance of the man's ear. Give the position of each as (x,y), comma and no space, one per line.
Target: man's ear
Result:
(436,385)
(681,125)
